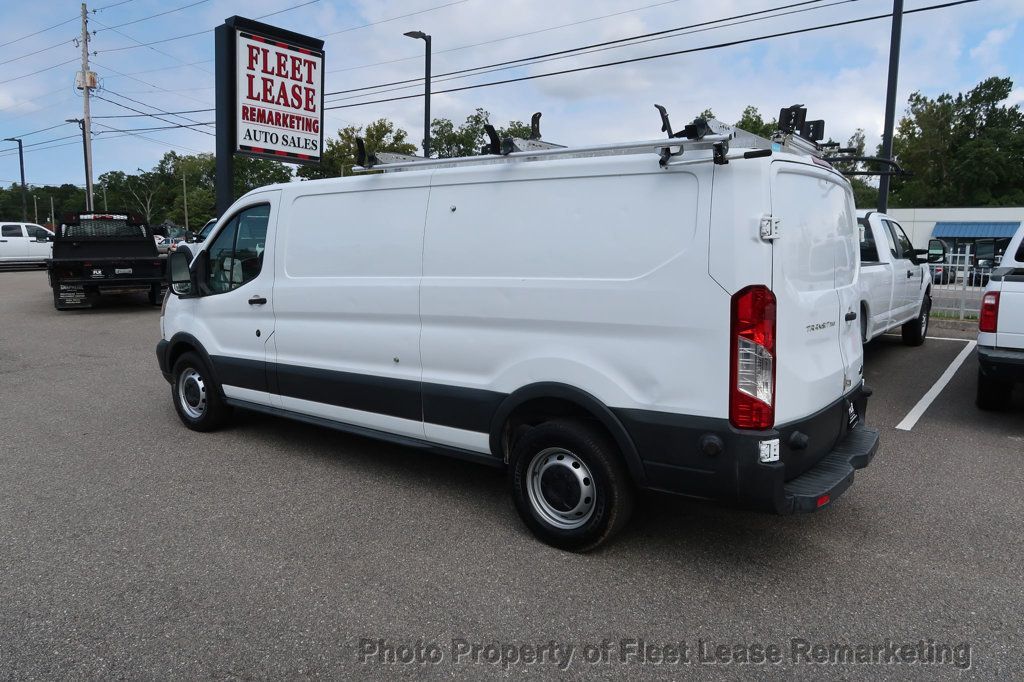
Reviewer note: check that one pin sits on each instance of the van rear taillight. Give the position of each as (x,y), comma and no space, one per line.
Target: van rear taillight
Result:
(989,317)
(752,359)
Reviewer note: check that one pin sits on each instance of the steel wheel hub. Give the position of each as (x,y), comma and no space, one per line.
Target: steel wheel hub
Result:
(192,393)
(561,488)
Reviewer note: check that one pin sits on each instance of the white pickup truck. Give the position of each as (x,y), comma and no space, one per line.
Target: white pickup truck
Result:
(895,281)
(24,244)
(1001,329)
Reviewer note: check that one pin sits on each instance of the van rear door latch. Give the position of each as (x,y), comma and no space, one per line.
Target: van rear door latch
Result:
(769,227)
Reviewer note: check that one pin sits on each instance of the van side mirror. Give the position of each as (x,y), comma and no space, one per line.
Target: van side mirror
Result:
(936,251)
(179,275)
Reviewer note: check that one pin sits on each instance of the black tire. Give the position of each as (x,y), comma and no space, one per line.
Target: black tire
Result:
(197,397)
(915,331)
(992,394)
(156,294)
(544,476)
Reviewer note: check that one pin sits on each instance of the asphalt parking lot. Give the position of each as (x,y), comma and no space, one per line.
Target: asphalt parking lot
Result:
(131,547)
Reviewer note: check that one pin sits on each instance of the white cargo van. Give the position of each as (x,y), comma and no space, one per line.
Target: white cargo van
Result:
(675,315)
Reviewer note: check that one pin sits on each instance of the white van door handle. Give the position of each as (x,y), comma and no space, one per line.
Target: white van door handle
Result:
(257,300)
(910,273)
(851,316)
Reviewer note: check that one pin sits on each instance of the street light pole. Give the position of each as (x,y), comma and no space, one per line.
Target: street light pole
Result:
(420,35)
(35,204)
(890,100)
(85,153)
(24,188)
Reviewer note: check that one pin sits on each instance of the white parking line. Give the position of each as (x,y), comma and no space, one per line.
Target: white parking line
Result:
(928,398)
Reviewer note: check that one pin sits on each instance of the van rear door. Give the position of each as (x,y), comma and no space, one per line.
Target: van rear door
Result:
(814,278)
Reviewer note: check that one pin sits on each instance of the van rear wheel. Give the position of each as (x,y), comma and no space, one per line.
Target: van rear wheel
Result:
(197,398)
(915,331)
(569,485)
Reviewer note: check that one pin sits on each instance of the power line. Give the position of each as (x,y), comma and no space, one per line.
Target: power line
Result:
(116,4)
(48,68)
(139,80)
(42,30)
(154,16)
(517,35)
(401,16)
(41,130)
(159,118)
(150,139)
(190,120)
(593,45)
(34,53)
(633,60)
(264,16)
(154,49)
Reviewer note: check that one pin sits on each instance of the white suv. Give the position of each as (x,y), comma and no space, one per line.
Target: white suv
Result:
(1001,329)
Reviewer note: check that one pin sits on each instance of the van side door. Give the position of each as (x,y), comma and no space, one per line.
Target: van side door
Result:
(234,314)
(346,299)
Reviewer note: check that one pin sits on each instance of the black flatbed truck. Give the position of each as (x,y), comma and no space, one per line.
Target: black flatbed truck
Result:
(98,253)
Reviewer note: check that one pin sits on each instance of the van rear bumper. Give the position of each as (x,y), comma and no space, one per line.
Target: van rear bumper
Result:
(815,457)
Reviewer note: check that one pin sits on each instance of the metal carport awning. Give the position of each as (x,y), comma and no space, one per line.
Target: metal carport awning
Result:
(975,229)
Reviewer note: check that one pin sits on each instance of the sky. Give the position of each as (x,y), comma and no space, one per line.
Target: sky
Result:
(838,73)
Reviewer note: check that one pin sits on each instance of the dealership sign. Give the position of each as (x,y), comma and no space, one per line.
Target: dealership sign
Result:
(279,89)
(270,97)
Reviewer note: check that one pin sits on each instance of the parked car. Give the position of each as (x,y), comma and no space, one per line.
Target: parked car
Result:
(942,272)
(1001,329)
(24,244)
(643,322)
(895,281)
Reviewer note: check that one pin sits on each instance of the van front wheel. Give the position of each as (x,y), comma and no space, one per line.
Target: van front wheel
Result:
(915,331)
(569,485)
(196,397)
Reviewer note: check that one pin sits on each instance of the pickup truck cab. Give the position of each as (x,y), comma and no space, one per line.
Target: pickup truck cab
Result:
(24,244)
(1001,329)
(895,281)
(673,315)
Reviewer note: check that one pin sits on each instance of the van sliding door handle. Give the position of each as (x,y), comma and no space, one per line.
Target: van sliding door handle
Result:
(910,273)
(851,316)
(257,300)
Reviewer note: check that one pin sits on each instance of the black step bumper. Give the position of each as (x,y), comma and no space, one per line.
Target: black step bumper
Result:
(829,478)
(1001,364)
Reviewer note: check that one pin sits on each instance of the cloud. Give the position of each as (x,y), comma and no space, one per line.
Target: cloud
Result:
(987,51)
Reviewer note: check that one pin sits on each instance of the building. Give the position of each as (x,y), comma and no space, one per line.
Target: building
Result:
(960,227)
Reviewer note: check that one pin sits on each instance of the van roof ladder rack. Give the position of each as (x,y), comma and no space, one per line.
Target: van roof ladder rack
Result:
(796,135)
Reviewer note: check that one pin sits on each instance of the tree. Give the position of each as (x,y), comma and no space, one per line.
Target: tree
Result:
(340,154)
(752,122)
(966,150)
(447,141)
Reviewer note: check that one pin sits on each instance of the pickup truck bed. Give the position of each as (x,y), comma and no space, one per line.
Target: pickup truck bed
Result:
(96,254)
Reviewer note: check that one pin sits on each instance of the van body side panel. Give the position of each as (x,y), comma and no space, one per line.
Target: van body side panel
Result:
(347,301)
(572,274)
(819,354)
(737,256)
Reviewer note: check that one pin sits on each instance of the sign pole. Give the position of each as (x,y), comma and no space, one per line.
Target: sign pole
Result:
(224,53)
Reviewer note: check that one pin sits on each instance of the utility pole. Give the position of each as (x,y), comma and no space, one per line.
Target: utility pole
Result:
(104,195)
(86,117)
(184,190)
(24,189)
(35,202)
(53,218)
(890,100)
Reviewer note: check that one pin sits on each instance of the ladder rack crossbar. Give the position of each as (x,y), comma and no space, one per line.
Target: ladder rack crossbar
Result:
(707,142)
